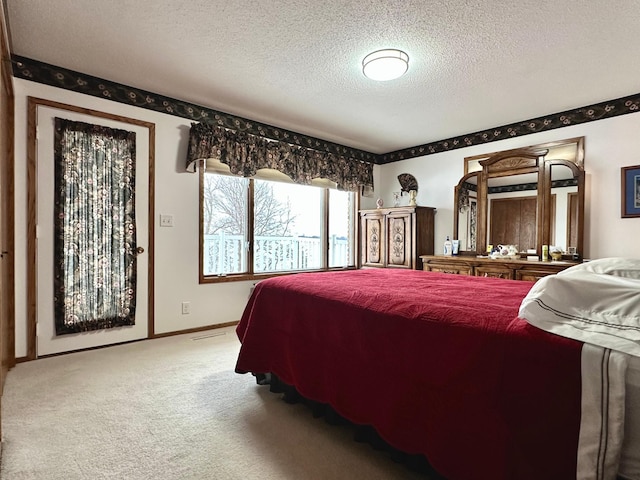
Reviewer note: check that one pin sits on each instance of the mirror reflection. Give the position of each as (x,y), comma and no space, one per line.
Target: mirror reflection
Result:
(499,201)
(467,203)
(512,211)
(564,208)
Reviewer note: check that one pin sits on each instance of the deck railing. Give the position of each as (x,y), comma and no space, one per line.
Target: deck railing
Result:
(226,254)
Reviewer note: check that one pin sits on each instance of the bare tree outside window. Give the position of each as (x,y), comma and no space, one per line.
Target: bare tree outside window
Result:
(225,199)
(290,228)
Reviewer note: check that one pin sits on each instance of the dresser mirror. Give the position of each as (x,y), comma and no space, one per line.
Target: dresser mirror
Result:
(527,197)
(564,208)
(512,210)
(466,213)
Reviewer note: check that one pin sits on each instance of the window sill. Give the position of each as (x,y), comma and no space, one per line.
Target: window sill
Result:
(243,277)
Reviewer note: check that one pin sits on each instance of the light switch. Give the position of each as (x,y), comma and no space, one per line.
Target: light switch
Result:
(166,220)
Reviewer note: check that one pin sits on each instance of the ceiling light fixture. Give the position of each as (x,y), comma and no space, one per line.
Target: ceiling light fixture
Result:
(385,64)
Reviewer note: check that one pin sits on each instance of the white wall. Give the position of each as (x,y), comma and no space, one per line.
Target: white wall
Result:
(609,145)
(176,249)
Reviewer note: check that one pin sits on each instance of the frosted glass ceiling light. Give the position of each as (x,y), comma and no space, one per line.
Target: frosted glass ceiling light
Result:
(385,64)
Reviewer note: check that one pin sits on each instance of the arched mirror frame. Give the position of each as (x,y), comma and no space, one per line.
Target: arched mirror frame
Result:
(521,161)
(463,197)
(578,175)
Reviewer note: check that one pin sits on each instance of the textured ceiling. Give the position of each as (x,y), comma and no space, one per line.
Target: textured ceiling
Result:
(296,64)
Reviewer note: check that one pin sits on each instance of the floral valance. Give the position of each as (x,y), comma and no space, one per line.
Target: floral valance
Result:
(246,154)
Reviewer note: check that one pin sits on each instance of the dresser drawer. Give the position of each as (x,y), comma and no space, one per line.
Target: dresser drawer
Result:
(510,269)
(532,275)
(493,272)
(444,268)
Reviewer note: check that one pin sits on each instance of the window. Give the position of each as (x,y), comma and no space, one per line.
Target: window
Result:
(341,228)
(253,227)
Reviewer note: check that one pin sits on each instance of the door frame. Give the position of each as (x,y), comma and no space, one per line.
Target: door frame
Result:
(32,204)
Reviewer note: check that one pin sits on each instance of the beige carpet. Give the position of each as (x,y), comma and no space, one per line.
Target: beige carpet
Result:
(165,409)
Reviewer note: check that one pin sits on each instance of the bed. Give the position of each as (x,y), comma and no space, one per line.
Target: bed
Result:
(439,365)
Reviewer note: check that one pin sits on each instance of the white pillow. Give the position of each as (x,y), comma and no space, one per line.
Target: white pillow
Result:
(618,266)
(601,309)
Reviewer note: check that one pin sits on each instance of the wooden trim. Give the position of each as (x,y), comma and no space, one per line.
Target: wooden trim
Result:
(324,229)
(544,207)
(244,277)
(581,208)
(552,214)
(95,113)
(5,46)
(248,275)
(197,329)
(7,208)
(9,328)
(482,216)
(572,203)
(201,168)
(251,210)
(161,335)
(32,253)
(32,204)
(151,222)
(357,259)
(456,196)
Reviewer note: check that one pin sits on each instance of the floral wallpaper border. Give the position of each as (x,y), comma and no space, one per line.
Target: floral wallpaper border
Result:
(591,113)
(47,74)
(40,72)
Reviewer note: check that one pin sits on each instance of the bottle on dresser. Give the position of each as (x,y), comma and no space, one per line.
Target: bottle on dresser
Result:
(456,247)
(545,253)
(448,246)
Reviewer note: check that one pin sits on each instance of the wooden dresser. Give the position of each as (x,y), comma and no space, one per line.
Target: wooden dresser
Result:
(395,237)
(487,267)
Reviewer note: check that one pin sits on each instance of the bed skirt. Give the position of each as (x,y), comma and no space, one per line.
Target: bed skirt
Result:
(361,433)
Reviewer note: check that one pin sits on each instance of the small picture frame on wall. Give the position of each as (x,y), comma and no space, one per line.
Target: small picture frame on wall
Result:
(630,191)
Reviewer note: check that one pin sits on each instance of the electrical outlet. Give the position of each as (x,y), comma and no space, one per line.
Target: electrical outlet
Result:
(166,220)
(186,308)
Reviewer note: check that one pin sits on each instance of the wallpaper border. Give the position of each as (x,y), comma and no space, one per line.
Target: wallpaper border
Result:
(591,113)
(52,75)
(40,72)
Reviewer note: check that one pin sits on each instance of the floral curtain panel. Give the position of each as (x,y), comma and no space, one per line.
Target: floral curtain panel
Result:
(95,235)
(246,154)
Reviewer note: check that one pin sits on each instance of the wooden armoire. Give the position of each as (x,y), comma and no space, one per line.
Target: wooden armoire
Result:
(396,237)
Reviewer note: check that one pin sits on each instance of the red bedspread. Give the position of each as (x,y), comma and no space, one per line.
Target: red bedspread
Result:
(439,364)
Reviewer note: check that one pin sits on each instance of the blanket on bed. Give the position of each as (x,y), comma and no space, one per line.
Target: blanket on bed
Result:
(439,364)
(596,302)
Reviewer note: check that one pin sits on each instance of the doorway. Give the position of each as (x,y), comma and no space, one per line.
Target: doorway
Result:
(42,338)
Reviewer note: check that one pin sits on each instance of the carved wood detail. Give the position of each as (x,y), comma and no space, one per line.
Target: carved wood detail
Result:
(513,163)
(394,237)
(487,267)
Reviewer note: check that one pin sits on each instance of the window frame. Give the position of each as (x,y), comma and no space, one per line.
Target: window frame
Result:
(237,277)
